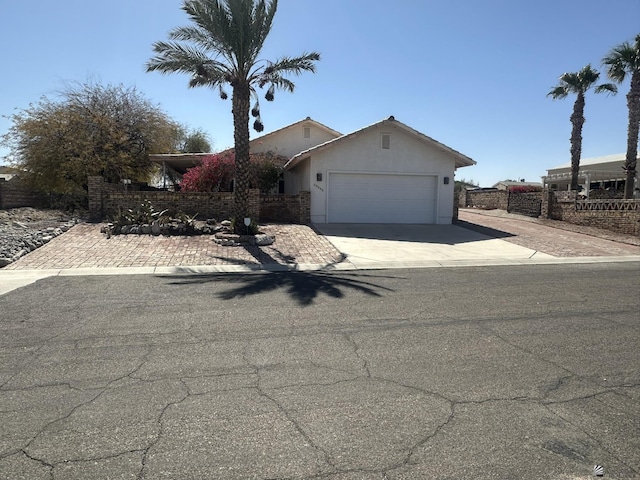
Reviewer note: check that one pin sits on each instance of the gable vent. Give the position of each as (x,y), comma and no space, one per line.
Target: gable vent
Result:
(307,132)
(386,141)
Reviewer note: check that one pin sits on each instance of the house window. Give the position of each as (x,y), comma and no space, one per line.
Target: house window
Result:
(386,141)
(307,132)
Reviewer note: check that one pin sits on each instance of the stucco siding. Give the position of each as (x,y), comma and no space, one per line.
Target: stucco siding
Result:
(290,141)
(363,153)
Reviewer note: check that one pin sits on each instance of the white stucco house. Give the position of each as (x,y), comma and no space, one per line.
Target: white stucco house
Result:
(597,172)
(383,173)
(386,172)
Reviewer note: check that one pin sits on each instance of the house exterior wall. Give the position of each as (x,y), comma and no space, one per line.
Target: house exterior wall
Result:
(362,153)
(290,141)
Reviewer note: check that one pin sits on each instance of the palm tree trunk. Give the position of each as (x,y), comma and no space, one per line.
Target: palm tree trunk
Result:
(633,103)
(577,120)
(240,105)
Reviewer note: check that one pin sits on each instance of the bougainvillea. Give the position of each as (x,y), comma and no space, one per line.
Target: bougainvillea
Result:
(216,172)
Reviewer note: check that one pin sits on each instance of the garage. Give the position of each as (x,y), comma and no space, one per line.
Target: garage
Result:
(381,198)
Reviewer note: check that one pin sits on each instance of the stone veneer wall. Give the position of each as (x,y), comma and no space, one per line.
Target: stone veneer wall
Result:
(13,194)
(486,199)
(529,204)
(622,216)
(106,199)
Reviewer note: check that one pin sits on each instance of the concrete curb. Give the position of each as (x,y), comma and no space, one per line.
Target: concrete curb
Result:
(13,279)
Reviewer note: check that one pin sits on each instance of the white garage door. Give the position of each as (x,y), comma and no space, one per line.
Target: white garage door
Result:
(381,198)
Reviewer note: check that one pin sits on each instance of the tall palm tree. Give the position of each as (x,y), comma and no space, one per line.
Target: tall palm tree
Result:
(221,47)
(578,83)
(622,60)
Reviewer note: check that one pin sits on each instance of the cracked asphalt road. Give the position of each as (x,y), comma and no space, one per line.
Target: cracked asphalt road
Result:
(466,373)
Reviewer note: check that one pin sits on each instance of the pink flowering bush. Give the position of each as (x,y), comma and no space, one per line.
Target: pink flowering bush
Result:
(214,174)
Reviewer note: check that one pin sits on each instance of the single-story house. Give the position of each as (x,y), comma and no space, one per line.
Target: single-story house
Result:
(507,184)
(386,172)
(597,172)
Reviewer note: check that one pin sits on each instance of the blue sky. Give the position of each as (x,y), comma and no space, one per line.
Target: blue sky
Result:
(472,74)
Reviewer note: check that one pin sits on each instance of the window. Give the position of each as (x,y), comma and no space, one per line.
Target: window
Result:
(386,141)
(307,132)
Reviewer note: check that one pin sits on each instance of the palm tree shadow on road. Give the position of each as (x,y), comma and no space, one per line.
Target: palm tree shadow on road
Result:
(303,287)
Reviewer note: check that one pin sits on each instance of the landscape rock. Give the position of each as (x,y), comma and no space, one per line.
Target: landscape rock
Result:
(22,230)
(263,240)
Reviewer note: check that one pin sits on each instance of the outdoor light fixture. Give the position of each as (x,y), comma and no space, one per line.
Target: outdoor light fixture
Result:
(446,180)
(319,177)
(247,222)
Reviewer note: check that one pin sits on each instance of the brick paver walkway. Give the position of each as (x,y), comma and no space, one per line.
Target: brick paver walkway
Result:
(552,237)
(83,246)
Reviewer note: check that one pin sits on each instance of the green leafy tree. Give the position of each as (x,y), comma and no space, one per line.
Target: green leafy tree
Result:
(578,83)
(222,47)
(621,61)
(195,141)
(90,130)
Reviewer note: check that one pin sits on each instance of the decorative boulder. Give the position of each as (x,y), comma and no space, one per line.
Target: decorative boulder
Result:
(263,240)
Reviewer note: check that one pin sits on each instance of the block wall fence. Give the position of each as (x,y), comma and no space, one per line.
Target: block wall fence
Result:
(14,194)
(106,200)
(622,216)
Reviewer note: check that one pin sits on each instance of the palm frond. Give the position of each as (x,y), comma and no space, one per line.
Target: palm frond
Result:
(609,88)
(175,57)
(622,60)
(294,65)
(558,92)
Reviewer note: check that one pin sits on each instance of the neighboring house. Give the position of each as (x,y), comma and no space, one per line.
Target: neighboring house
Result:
(384,173)
(506,184)
(7,173)
(605,172)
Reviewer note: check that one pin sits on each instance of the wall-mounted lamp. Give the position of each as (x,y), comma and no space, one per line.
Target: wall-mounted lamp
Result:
(319,177)
(446,180)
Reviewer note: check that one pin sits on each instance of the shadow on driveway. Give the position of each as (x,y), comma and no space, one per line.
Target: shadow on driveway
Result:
(456,234)
(488,231)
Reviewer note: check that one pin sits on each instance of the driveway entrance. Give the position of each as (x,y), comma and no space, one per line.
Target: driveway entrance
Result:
(393,245)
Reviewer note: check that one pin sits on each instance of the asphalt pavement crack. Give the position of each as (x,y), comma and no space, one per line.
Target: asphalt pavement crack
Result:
(284,411)
(153,443)
(49,466)
(356,351)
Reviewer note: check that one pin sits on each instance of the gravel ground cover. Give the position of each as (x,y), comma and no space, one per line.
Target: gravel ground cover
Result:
(24,229)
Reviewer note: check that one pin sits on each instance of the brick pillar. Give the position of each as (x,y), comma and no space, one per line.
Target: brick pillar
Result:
(254,204)
(545,207)
(305,208)
(462,198)
(3,182)
(95,187)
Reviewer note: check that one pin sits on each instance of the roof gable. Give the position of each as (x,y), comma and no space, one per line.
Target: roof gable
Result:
(460,159)
(305,121)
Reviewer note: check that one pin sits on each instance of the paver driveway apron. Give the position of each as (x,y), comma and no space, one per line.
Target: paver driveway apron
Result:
(371,245)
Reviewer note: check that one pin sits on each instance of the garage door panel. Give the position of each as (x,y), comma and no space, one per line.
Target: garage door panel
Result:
(381,198)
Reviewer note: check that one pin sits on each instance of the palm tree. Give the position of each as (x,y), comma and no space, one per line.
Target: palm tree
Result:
(221,47)
(578,83)
(622,60)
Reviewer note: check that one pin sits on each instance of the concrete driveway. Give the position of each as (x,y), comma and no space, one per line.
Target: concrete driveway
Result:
(479,238)
(386,245)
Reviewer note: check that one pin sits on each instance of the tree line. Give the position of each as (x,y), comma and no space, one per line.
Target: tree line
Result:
(622,62)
